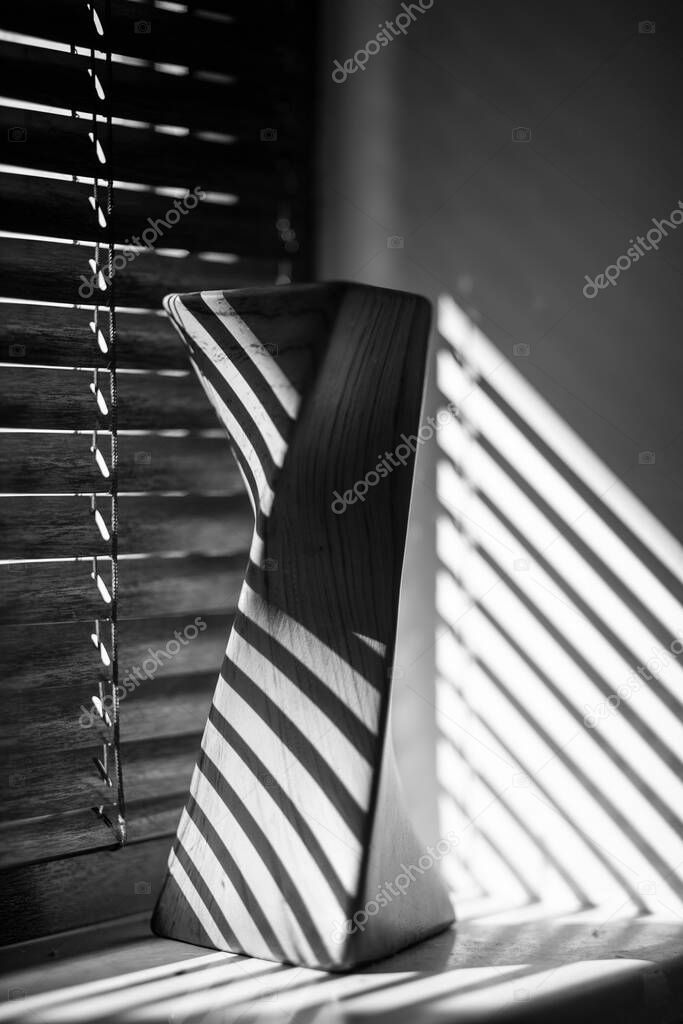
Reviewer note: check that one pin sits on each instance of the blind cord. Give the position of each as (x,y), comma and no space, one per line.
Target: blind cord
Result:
(114,468)
(110,768)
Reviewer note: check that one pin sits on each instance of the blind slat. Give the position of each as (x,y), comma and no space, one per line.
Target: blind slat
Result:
(52,272)
(43,898)
(61,80)
(64,592)
(53,719)
(174,37)
(61,143)
(33,203)
(45,399)
(63,463)
(62,336)
(64,526)
(25,842)
(67,780)
(61,653)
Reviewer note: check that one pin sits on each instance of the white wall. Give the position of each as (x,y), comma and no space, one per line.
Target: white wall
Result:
(420,145)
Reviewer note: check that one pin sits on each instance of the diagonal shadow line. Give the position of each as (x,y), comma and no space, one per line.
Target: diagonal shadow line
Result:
(299,745)
(258,1009)
(257,785)
(216,390)
(461,855)
(391,986)
(485,833)
(264,1015)
(241,368)
(462,521)
(664,694)
(629,597)
(292,763)
(207,369)
(141,990)
(484,383)
(591,499)
(232,870)
(537,840)
(546,373)
(267,852)
(562,529)
(360,657)
(613,913)
(462,362)
(489,750)
(362,738)
(444,345)
(494,753)
(247,473)
(284,802)
(132,980)
(489,728)
(601,625)
(207,897)
(593,846)
(198,934)
(434,642)
(482,892)
(209,1005)
(146,1000)
(642,728)
(541,800)
(582,401)
(618,817)
(638,724)
(523,971)
(668,813)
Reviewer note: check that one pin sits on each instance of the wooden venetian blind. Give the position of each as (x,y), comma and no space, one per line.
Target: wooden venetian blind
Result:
(116,480)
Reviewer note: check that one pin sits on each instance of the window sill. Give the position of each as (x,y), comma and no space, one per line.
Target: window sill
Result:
(627,971)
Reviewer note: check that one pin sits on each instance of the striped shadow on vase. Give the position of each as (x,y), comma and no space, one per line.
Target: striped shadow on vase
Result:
(294,824)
